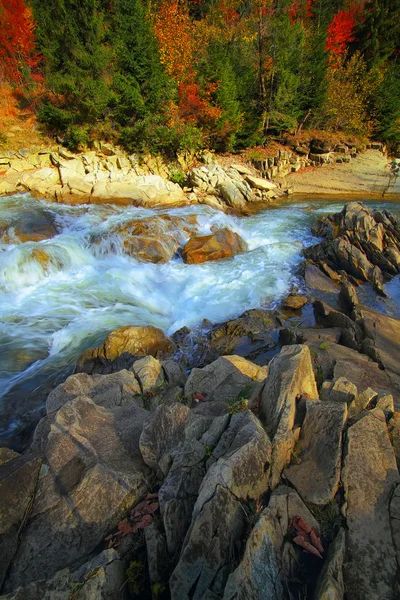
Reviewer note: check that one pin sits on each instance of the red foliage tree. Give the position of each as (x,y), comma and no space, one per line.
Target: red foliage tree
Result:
(18,54)
(341,31)
(300,9)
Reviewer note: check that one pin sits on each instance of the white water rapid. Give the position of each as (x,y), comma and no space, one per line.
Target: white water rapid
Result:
(49,313)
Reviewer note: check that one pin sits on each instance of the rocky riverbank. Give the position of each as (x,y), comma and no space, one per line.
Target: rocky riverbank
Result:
(252,459)
(108,175)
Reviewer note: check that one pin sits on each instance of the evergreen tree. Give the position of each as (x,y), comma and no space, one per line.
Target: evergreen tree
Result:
(71,36)
(378,33)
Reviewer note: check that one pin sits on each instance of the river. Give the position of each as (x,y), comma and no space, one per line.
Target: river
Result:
(48,316)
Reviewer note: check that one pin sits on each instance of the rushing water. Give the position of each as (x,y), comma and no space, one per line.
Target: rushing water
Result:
(49,315)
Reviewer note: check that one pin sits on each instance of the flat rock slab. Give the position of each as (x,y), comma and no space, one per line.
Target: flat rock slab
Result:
(369,477)
(317,476)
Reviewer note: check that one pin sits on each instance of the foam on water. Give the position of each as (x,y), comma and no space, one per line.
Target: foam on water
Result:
(49,313)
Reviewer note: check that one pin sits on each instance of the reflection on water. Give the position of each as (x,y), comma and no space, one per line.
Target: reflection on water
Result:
(61,295)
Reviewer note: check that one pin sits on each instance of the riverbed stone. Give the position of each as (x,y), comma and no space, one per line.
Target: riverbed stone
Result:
(369,477)
(260,184)
(316,476)
(221,244)
(290,378)
(295,301)
(121,347)
(92,474)
(382,339)
(225,380)
(149,373)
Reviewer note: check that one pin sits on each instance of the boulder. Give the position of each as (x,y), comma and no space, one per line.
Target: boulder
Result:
(121,347)
(92,474)
(382,338)
(269,560)
(109,391)
(142,190)
(320,452)
(363,242)
(330,584)
(101,578)
(321,286)
(290,378)
(225,380)
(340,390)
(231,195)
(221,244)
(31,225)
(18,480)
(369,477)
(260,184)
(149,373)
(295,302)
(178,493)
(217,525)
(160,438)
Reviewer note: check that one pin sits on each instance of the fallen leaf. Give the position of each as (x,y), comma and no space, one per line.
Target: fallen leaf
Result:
(300,541)
(124,527)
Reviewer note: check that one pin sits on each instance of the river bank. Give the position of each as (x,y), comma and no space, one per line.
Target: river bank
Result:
(367,175)
(234,184)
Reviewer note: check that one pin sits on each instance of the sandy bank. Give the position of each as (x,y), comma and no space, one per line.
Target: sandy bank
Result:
(367,174)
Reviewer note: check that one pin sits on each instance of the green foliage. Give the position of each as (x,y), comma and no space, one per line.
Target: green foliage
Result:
(254,73)
(178,176)
(135,574)
(3,138)
(151,135)
(388,107)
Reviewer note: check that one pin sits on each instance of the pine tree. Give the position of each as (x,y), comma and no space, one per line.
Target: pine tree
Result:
(71,36)
(378,33)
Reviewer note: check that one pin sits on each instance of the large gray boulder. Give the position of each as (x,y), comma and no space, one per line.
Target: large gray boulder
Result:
(217,525)
(317,475)
(290,379)
(225,379)
(269,560)
(101,578)
(109,391)
(369,477)
(92,473)
(18,481)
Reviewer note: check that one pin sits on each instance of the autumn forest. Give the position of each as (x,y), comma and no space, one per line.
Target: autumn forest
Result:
(169,75)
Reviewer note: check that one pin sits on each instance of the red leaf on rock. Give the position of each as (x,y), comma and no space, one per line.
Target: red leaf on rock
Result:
(124,527)
(300,541)
(199,397)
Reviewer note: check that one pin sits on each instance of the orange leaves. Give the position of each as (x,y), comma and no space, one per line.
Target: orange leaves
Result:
(175,35)
(341,31)
(17,42)
(306,537)
(194,103)
(141,516)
